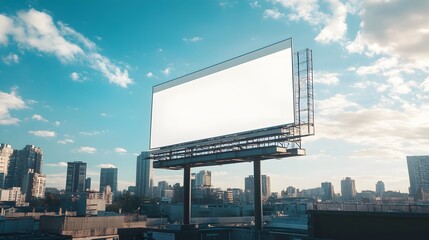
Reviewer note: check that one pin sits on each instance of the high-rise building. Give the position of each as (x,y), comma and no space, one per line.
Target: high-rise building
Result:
(237,195)
(109,177)
(88,184)
(348,188)
(131,190)
(418,171)
(76,176)
(163,190)
(379,189)
(21,161)
(203,179)
(266,186)
(290,192)
(33,185)
(13,195)
(312,192)
(249,184)
(6,151)
(39,186)
(328,190)
(193,181)
(144,175)
(163,185)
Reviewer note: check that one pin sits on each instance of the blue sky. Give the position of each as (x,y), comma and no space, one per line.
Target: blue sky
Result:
(76,80)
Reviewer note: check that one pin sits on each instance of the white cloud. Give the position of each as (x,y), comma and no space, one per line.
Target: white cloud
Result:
(326,78)
(273,13)
(167,71)
(149,75)
(357,45)
(307,10)
(425,85)
(35,30)
(255,4)
(193,39)
(106,165)
(65,141)
(336,104)
(58,164)
(31,101)
(11,58)
(398,85)
(89,150)
(335,28)
(112,72)
(332,24)
(374,128)
(120,150)
(104,114)
(94,133)
(395,28)
(6,26)
(68,31)
(43,133)
(56,123)
(227,4)
(39,118)
(384,66)
(74,76)
(10,101)
(394,70)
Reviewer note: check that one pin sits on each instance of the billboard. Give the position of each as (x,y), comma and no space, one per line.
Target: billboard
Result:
(250,92)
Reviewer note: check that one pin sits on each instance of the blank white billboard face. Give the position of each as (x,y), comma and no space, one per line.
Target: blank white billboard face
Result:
(250,92)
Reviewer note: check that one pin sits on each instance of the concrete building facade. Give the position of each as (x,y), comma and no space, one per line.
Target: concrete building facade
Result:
(33,185)
(12,195)
(6,152)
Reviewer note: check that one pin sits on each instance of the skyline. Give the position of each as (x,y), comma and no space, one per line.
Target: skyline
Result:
(93,103)
(225,187)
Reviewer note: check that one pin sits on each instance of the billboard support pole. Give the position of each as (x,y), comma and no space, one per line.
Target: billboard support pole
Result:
(257,191)
(186,195)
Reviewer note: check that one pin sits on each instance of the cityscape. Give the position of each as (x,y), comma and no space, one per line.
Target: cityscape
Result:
(24,191)
(22,180)
(214,120)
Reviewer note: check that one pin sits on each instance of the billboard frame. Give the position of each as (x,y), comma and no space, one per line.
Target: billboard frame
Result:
(287,136)
(244,58)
